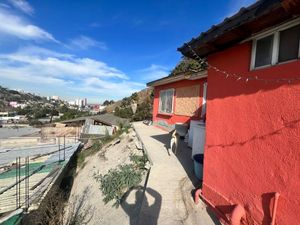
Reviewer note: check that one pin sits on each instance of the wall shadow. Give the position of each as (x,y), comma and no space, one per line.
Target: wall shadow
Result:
(266,200)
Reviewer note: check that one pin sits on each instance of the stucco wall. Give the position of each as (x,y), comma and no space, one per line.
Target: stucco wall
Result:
(173,118)
(253,139)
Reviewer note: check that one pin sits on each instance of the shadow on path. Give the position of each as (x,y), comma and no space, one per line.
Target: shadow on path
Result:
(143,211)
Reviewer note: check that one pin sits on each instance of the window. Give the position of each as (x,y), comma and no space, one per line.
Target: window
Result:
(264,51)
(280,46)
(289,44)
(166,101)
(203,111)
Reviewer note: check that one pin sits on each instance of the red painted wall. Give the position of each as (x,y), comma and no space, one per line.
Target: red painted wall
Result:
(172,119)
(253,138)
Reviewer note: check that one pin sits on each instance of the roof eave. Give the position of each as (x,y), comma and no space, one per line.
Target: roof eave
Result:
(172,79)
(239,27)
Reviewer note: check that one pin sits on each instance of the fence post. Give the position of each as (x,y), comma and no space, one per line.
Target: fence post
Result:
(27,184)
(17,183)
(64,147)
(59,149)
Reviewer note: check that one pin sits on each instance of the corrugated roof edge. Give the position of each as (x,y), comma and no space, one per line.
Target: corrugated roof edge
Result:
(219,29)
(178,77)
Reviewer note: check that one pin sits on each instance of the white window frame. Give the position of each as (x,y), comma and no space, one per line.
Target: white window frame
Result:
(159,106)
(203,108)
(275,48)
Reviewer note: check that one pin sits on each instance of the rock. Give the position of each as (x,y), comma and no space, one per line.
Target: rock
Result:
(117,141)
(138,145)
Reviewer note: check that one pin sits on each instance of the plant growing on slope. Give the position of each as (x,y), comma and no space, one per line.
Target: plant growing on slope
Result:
(139,161)
(118,181)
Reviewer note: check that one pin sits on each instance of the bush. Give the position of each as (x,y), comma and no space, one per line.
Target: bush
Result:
(143,112)
(118,181)
(139,161)
(187,65)
(124,112)
(96,147)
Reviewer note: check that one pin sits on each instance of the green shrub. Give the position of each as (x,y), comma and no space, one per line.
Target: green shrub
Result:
(139,161)
(118,181)
(96,147)
(143,112)
(123,112)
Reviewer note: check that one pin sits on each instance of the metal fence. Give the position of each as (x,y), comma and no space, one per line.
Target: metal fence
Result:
(25,181)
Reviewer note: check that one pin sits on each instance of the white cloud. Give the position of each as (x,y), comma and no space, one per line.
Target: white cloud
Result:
(153,72)
(22,5)
(84,42)
(65,74)
(111,89)
(42,61)
(17,26)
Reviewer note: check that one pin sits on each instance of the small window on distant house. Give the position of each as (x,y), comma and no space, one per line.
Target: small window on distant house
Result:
(289,44)
(264,48)
(166,101)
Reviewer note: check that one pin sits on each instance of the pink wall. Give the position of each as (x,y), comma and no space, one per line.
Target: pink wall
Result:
(172,119)
(253,138)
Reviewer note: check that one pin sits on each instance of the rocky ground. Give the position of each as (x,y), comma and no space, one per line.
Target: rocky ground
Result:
(86,197)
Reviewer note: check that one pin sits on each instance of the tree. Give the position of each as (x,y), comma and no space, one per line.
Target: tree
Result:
(143,112)
(188,65)
(108,102)
(134,97)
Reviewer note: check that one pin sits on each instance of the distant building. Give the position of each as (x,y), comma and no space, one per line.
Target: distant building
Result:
(72,103)
(7,117)
(55,97)
(13,104)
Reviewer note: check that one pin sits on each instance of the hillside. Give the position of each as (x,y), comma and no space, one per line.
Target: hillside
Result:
(138,106)
(8,95)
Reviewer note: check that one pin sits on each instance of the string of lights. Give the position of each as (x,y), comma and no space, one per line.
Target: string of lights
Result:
(239,77)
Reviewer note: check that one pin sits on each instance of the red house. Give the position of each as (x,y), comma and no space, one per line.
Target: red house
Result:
(252,148)
(178,99)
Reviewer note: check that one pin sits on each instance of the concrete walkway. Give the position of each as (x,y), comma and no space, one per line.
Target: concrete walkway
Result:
(168,199)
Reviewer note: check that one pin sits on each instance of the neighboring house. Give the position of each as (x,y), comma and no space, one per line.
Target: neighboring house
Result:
(99,124)
(178,99)
(253,112)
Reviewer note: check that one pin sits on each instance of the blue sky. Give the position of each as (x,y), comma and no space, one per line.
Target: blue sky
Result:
(98,49)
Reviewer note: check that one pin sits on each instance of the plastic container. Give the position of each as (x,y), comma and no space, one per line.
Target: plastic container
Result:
(193,124)
(198,166)
(198,140)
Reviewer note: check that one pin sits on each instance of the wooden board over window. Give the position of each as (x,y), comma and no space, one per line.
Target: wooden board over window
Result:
(187,101)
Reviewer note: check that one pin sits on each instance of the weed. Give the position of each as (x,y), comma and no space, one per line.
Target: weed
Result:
(118,181)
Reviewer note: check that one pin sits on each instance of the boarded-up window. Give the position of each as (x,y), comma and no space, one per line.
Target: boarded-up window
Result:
(187,101)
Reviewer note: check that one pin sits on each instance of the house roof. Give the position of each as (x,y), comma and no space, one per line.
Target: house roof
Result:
(178,77)
(108,119)
(257,17)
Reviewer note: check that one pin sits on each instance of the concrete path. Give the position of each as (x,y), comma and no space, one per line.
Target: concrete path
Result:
(168,199)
